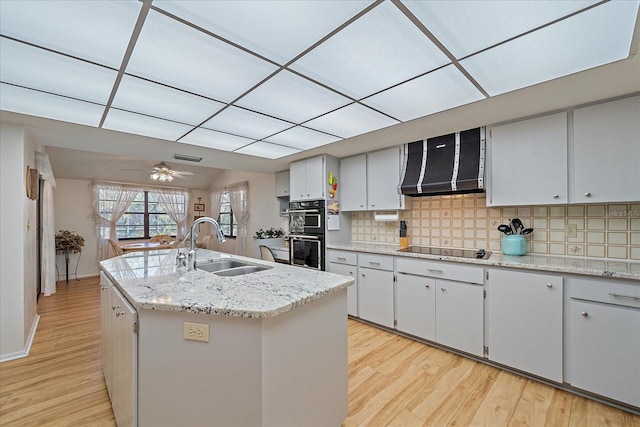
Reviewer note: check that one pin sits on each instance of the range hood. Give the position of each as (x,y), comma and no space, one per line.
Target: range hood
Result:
(447,164)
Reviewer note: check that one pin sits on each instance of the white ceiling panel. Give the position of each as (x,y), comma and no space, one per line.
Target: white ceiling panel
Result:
(269,151)
(278,30)
(467,26)
(39,69)
(595,37)
(379,50)
(34,103)
(95,30)
(175,54)
(443,89)
(302,138)
(246,123)
(293,98)
(218,140)
(138,124)
(145,97)
(351,120)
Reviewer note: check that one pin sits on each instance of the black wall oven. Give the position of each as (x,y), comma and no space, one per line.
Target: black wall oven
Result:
(307,234)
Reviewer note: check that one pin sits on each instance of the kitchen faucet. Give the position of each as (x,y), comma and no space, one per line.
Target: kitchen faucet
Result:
(191,256)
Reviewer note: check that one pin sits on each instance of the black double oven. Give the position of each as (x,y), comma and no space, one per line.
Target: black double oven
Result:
(307,225)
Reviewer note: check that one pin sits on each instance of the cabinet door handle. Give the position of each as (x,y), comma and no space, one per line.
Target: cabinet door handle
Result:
(119,313)
(549,285)
(114,307)
(587,194)
(351,273)
(362,274)
(427,286)
(585,314)
(432,270)
(374,263)
(556,196)
(442,289)
(614,294)
(341,258)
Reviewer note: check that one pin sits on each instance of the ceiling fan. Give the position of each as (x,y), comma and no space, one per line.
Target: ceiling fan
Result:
(164,173)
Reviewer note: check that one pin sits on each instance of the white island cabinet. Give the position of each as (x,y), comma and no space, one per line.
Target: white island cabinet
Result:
(525,321)
(267,348)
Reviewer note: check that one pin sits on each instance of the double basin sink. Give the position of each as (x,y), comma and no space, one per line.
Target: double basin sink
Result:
(229,267)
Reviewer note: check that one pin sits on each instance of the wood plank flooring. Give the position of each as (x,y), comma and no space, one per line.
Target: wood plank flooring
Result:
(393,381)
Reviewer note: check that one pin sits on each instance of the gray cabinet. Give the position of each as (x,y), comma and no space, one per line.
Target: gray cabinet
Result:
(416,305)
(282,184)
(460,316)
(525,321)
(375,289)
(345,263)
(353,174)
(306,179)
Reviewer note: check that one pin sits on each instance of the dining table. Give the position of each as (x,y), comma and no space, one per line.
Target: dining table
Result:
(146,246)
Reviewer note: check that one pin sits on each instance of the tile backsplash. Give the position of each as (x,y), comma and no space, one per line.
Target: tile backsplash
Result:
(464,221)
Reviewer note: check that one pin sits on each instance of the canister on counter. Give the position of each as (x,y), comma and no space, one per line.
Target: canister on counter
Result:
(404,240)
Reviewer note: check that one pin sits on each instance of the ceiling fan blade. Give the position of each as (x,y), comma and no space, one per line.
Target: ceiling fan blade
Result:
(185,173)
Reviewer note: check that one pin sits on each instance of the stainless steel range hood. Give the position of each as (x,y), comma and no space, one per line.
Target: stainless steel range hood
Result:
(447,164)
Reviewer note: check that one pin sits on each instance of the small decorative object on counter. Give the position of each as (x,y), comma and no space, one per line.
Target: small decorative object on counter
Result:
(404,240)
(513,242)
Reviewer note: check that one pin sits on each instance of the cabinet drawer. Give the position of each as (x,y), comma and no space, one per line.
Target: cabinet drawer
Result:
(343,257)
(602,290)
(442,270)
(376,261)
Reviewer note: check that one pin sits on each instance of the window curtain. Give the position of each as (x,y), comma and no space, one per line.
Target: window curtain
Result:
(175,203)
(216,200)
(238,196)
(48,263)
(106,216)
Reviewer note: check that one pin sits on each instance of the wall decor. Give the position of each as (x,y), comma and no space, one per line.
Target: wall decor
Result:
(198,207)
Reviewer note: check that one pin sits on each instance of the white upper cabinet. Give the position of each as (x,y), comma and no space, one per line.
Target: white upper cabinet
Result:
(370,181)
(529,162)
(606,146)
(282,184)
(306,179)
(353,171)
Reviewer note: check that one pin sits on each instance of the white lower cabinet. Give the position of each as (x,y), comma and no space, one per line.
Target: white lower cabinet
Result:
(459,316)
(604,339)
(346,264)
(416,305)
(525,322)
(119,353)
(375,289)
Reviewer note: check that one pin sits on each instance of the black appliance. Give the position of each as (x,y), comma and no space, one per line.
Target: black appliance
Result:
(307,233)
(461,253)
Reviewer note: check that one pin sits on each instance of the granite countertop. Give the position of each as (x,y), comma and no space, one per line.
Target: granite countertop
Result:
(550,263)
(149,280)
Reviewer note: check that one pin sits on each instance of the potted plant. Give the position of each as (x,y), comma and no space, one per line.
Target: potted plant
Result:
(273,237)
(68,242)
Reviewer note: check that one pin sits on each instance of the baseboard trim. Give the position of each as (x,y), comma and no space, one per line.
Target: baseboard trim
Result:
(27,348)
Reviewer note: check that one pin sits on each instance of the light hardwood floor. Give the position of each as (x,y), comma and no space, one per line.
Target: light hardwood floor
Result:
(393,381)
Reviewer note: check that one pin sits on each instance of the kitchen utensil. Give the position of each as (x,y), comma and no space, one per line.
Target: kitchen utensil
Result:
(505,229)
(517,224)
(526,231)
(513,228)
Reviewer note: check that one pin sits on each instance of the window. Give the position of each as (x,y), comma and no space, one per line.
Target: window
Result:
(226,218)
(144,218)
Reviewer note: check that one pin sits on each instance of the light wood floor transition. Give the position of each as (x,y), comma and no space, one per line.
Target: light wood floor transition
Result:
(393,381)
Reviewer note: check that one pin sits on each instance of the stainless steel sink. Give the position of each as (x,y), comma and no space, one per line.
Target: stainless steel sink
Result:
(230,267)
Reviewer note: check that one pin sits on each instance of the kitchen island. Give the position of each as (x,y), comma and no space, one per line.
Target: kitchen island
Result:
(264,348)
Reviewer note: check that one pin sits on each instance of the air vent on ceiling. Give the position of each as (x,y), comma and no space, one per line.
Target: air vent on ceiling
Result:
(187,158)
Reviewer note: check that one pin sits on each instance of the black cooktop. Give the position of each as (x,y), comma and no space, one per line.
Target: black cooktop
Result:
(462,253)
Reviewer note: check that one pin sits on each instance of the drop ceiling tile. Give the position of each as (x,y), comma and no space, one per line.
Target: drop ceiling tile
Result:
(138,124)
(98,31)
(351,120)
(242,122)
(212,139)
(596,37)
(278,30)
(302,138)
(269,151)
(175,54)
(467,26)
(381,49)
(34,103)
(142,96)
(292,98)
(437,91)
(35,68)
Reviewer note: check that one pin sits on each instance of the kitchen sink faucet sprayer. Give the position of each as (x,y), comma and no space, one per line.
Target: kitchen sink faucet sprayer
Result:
(191,256)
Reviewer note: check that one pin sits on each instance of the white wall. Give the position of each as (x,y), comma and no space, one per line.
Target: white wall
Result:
(18,315)
(73,212)
(263,206)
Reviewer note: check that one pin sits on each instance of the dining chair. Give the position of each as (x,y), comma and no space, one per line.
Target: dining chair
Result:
(161,238)
(266,253)
(205,242)
(117,249)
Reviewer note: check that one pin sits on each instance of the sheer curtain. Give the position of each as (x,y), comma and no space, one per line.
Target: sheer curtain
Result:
(238,196)
(175,202)
(216,200)
(120,198)
(48,263)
